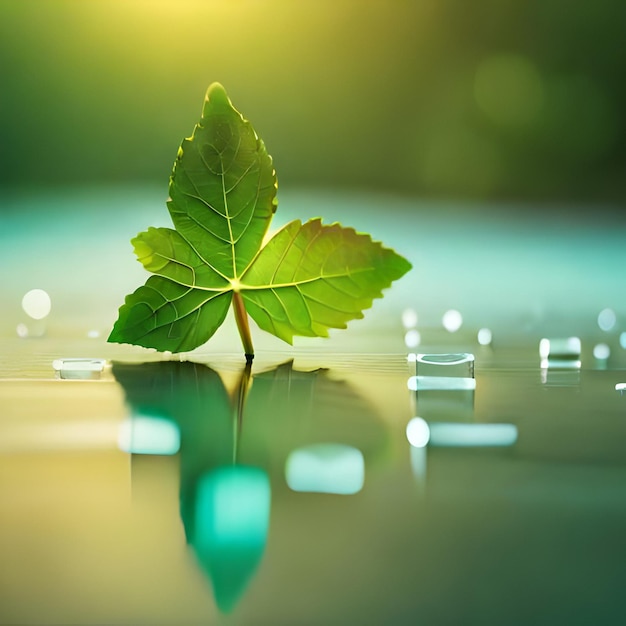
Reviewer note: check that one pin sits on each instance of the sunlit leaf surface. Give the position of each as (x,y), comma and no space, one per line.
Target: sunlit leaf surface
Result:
(309,277)
(312,277)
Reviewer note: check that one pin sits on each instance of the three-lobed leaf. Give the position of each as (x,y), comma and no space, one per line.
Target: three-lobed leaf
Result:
(308,278)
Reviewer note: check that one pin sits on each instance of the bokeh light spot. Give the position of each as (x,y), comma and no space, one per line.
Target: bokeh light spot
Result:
(36,304)
(484,337)
(607,319)
(452,320)
(418,432)
(508,89)
(409,318)
(412,338)
(601,351)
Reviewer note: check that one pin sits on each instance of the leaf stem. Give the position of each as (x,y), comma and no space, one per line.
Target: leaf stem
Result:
(240,397)
(241,316)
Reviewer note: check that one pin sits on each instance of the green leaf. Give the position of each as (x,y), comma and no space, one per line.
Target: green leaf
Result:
(307,279)
(223,187)
(312,277)
(168,316)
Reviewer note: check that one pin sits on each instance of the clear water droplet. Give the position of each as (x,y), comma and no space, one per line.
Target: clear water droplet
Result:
(454,364)
(560,349)
(560,361)
(441,383)
(78,368)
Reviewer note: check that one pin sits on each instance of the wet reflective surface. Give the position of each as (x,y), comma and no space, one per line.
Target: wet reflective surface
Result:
(319,486)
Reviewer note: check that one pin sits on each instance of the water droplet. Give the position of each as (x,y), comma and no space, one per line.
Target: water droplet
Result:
(36,304)
(446,358)
(79,369)
(412,338)
(409,318)
(22,331)
(560,361)
(560,349)
(607,319)
(418,432)
(601,351)
(484,337)
(441,383)
(452,320)
(455,364)
(560,376)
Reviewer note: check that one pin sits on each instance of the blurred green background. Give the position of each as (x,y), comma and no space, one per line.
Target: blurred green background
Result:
(516,100)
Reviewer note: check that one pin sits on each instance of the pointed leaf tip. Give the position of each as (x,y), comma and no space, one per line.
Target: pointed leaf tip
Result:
(216,96)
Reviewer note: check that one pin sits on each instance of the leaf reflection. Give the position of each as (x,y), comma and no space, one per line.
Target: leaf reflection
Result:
(231,443)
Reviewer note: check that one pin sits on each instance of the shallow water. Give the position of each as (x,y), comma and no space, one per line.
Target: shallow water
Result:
(176,490)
